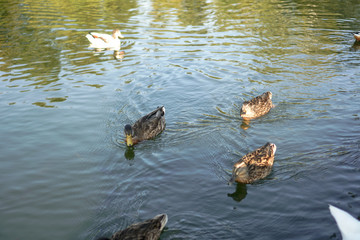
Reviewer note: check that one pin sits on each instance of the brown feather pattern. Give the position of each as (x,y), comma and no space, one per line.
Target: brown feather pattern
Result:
(149,126)
(255,165)
(257,106)
(148,230)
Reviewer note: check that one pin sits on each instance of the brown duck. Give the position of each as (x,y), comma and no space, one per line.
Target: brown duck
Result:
(147,127)
(255,165)
(356,36)
(148,230)
(257,106)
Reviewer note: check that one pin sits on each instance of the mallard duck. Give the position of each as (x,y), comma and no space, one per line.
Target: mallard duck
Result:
(348,225)
(147,127)
(255,165)
(356,36)
(101,40)
(148,230)
(257,106)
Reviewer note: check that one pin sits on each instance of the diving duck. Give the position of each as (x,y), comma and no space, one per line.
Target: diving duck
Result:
(255,165)
(147,127)
(101,40)
(348,225)
(148,230)
(356,36)
(257,106)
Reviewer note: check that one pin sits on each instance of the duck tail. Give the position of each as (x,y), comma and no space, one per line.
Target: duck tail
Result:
(160,112)
(163,218)
(348,225)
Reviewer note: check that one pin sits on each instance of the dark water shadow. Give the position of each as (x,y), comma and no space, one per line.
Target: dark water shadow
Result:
(240,192)
(355,47)
(129,153)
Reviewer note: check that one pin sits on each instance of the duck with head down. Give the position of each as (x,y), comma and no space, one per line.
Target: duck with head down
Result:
(255,165)
(147,127)
(257,106)
(148,230)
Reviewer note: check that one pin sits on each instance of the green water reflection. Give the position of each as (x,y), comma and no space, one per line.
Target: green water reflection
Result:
(42,44)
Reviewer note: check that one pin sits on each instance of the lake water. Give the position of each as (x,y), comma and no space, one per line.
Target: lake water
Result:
(65,172)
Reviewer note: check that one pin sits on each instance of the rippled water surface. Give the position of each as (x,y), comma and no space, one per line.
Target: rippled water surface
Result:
(65,172)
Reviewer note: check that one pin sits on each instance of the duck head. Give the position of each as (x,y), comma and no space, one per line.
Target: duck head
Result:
(117,34)
(129,133)
(246,111)
(239,171)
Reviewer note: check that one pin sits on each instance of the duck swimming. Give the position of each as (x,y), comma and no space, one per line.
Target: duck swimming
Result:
(101,40)
(147,127)
(255,165)
(257,106)
(148,230)
(356,36)
(348,225)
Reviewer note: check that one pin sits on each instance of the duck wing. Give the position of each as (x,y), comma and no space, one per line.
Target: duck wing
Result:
(150,125)
(262,103)
(104,37)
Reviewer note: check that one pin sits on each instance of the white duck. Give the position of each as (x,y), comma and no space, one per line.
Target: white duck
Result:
(348,225)
(101,40)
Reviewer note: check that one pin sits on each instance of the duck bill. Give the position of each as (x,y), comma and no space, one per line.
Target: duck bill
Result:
(129,141)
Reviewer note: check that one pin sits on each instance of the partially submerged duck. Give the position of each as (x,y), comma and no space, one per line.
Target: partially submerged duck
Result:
(348,225)
(103,41)
(257,106)
(356,36)
(148,230)
(255,165)
(147,127)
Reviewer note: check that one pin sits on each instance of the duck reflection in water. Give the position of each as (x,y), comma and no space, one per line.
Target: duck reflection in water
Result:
(119,55)
(240,192)
(129,153)
(245,124)
(355,47)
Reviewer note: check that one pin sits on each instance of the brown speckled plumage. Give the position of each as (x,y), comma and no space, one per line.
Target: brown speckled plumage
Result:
(148,230)
(257,106)
(255,165)
(149,126)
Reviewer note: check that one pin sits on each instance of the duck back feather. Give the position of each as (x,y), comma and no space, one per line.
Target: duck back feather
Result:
(150,125)
(255,165)
(148,230)
(257,106)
